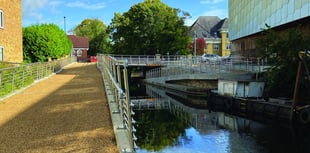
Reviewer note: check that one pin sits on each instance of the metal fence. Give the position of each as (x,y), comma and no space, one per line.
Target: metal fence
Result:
(17,76)
(115,76)
(180,64)
(145,60)
(233,65)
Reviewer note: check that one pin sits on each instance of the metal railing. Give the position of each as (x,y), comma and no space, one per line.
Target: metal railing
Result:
(232,65)
(145,60)
(17,76)
(116,84)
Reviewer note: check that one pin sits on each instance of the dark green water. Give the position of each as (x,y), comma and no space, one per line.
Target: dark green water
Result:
(169,126)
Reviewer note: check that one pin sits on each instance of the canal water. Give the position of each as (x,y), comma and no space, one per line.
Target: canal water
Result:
(166,124)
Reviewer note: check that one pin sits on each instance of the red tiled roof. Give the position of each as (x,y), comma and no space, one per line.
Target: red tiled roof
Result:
(79,42)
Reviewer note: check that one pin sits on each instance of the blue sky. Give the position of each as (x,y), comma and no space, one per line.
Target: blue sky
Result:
(75,11)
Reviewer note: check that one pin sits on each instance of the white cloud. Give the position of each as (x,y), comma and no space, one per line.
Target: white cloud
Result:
(53,6)
(79,4)
(211,1)
(55,3)
(30,7)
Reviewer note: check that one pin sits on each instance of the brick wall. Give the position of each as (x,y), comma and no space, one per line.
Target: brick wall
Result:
(11,34)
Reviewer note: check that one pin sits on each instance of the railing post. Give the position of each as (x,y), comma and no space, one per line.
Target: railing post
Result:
(112,70)
(0,80)
(247,64)
(13,77)
(23,76)
(129,111)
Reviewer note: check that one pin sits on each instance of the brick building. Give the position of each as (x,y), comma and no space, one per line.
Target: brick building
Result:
(80,47)
(11,42)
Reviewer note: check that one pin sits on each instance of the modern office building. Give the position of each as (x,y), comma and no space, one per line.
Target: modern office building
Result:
(11,42)
(247,18)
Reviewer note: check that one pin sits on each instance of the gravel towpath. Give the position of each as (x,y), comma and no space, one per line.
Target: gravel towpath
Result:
(68,112)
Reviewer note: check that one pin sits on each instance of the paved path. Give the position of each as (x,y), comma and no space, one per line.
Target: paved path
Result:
(67,112)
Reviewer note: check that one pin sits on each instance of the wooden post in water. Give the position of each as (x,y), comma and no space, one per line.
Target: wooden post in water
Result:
(296,89)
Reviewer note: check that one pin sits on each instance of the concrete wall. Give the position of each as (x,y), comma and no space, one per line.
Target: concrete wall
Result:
(210,84)
(11,33)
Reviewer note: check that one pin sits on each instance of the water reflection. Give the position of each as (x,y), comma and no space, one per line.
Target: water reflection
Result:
(165,125)
(158,129)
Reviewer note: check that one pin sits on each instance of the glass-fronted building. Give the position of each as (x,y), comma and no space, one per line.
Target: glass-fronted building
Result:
(247,18)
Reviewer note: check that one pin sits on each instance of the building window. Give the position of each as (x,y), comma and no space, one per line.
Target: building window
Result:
(79,52)
(73,52)
(1,19)
(215,34)
(228,46)
(1,53)
(215,46)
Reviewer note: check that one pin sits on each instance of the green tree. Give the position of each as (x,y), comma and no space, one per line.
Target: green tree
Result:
(281,52)
(44,41)
(96,31)
(149,27)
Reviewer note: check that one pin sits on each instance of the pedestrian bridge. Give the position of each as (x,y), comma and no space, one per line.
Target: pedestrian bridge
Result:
(171,65)
(172,60)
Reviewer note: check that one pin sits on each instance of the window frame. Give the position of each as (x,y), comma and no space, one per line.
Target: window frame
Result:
(228,46)
(1,53)
(1,19)
(79,52)
(216,46)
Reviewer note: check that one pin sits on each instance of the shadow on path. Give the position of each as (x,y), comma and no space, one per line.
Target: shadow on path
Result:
(67,112)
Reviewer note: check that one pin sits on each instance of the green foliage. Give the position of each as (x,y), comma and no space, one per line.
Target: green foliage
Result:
(5,65)
(96,31)
(15,78)
(44,41)
(149,27)
(18,77)
(281,52)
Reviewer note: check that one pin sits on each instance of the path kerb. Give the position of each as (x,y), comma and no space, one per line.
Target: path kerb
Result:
(121,133)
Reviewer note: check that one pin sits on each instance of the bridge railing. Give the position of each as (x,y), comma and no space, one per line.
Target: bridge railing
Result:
(181,64)
(117,89)
(241,64)
(16,76)
(154,59)
(231,65)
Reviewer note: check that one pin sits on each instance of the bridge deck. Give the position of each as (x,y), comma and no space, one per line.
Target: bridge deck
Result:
(67,112)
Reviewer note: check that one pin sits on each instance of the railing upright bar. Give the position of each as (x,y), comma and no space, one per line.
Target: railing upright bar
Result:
(122,96)
(25,74)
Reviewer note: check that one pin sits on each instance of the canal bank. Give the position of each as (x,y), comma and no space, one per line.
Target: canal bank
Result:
(275,111)
(186,82)
(121,133)
(207,131)
(115,78)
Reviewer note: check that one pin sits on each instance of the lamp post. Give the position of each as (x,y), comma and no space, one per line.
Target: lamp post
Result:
(195,37)
(65,24)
